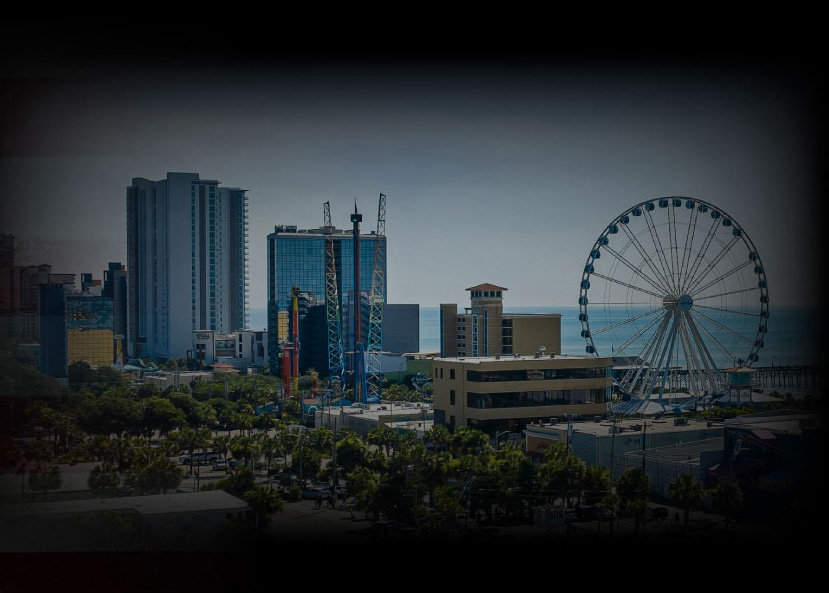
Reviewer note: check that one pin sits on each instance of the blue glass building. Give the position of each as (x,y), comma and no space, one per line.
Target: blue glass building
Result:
(297,258)
(53,329)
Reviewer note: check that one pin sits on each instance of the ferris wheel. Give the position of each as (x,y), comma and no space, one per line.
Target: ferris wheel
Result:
(674,290)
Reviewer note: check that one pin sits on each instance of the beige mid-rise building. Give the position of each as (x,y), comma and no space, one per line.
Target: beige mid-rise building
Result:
(505,393)
(483,329)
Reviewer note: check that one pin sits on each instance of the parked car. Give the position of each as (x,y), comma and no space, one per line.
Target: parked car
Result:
(313,492)
(656,513)
(219,465)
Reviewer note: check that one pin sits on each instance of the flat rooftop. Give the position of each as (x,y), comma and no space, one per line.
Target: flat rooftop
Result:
(517,358)
(685,452)
(155,504)
(603,428)
(424,425)
(376,410)
(786,421)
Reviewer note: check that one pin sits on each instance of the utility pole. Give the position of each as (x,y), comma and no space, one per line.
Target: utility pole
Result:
(612,448)
(644,435)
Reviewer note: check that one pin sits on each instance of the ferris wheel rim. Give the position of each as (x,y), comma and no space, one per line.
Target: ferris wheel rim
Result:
(685,300)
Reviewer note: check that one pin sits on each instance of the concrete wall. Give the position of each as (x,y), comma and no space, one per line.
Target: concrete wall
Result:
(531,331)
(401,328)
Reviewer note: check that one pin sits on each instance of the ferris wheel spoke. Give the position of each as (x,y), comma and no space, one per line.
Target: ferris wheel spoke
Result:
(691,362)
(727,310)
(647,357)
(712,264)
(632,267)
(633,376)
(647,259)
(626,321)
(720,294)
(686,250)
(733,270)
(621,303)
(705,356)
(707,361)
(660,251)
(659,356)
(709,236)
(669,352)
(674,253)
(633,286)
(701,343)
(665,348)
(636,336)
(727,354)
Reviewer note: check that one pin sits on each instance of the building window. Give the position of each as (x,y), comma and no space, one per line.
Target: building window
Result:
(451,397)
(451,373)
(441,372)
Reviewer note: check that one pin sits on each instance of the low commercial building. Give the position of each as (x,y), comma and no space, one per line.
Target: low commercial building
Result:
(90,336)
(605,442)
(165,379)
(240,349)
(416,363)
(498,393)
(775,455)
(180,521)
(666,463)
(363,418)
(418,427)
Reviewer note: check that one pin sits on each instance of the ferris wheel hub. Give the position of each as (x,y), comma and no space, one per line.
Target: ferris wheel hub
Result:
(673,303)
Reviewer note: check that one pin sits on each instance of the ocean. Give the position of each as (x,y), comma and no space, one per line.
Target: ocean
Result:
(791,338)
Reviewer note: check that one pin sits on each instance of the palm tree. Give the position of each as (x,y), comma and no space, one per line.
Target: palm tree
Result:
(728,498)
(563,475)
(596,483)
(263,502)
(439,436)
(384,438)
(632,488)
(688,493)
(221,444)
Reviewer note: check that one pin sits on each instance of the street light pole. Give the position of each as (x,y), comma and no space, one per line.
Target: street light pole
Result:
(498,436)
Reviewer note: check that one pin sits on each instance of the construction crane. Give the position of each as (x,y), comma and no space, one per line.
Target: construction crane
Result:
(290,349)
(295,335)
(336,368)
(374,377)
(358,359)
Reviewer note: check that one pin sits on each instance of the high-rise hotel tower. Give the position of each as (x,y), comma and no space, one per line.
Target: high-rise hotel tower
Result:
(186,262)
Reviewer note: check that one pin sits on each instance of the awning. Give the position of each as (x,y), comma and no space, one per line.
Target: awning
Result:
(765,435)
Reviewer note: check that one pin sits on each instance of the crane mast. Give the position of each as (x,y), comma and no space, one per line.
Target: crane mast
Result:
(336,367)
(374,375)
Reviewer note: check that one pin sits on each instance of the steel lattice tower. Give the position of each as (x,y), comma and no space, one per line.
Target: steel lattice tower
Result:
(374,376)
(332,302)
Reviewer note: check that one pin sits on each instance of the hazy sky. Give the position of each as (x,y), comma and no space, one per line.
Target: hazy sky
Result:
(499,169)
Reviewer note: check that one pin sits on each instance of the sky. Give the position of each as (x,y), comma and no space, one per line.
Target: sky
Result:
(500,168)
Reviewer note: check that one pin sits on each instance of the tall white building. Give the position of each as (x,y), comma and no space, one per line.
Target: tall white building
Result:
(186,262)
